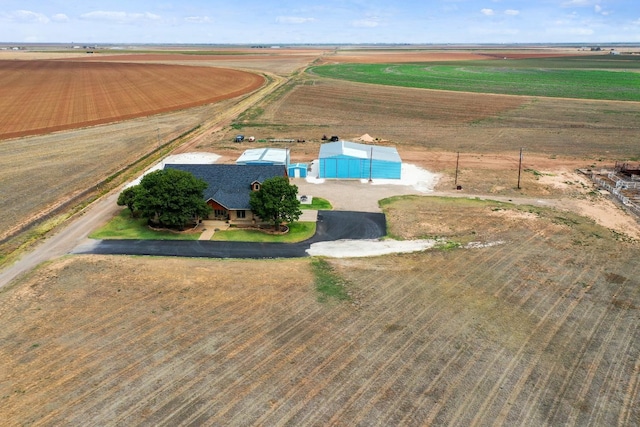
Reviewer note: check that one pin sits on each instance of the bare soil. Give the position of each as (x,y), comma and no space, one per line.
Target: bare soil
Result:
(40,97)
(540,329)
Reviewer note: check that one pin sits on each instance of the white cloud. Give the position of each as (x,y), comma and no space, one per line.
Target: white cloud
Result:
(293,20)
(488,12)
(60,17)
(512,12)
(198,19)
(119,17)
(26,16)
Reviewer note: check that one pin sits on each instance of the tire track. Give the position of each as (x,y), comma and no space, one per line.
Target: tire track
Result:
(337,355)
(191,358)
(542,344)
(252,359)
(392,359)
(465,408)
(540,386)
(612,379)
(630,401)
(131,337)
(596,362)
(301,341)
(450,291)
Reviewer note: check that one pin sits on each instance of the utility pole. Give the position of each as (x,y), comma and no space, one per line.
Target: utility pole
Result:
(371,165)
(457,162)
(519,168)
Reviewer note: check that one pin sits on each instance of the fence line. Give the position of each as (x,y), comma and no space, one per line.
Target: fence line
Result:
(616,191)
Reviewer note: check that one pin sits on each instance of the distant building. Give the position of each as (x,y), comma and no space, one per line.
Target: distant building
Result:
(264,156)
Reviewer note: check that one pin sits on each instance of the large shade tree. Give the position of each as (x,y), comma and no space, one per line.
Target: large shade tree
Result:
(169,197)
(276,201)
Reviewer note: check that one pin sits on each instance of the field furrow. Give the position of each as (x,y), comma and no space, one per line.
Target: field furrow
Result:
(55,95)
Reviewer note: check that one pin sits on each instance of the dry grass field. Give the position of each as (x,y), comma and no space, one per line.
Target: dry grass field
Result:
(146,105)
(451,121)
(530,317)
(43,174)
(541,328)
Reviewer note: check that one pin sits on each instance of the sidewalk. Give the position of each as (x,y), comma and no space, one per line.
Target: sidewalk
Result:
(210,228)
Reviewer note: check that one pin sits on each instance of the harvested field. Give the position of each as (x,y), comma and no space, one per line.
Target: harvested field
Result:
(46,96)
(277,61)
(447,121)
(493,335)
(40,174)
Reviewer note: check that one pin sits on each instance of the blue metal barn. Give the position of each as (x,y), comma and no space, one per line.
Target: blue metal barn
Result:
(350,160)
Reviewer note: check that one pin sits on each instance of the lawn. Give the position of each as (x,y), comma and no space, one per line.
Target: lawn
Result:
(298,232)
(318,204)
(610,80)
(123,226)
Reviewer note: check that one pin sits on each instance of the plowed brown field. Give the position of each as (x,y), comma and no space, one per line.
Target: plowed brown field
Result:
(45,96)
(540,329)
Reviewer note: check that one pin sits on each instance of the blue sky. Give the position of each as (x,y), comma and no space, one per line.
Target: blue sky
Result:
(321,21)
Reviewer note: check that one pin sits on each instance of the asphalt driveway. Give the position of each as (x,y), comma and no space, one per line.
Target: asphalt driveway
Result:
(331,225)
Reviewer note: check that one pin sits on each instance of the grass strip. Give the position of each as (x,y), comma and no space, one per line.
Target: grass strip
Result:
(319,204)
(328,284)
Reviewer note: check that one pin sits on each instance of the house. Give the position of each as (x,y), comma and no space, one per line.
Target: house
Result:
(350,160)
(264,156)
(229,187)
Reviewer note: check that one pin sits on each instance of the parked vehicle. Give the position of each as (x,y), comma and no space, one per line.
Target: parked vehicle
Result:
(334,139)
(239,138)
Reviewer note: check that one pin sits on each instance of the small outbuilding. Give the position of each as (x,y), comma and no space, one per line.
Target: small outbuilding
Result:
(350,160)
(298,170)
(264,156)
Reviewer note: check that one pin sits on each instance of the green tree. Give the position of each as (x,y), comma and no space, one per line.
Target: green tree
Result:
(171,198)
(128,198)
(276,201)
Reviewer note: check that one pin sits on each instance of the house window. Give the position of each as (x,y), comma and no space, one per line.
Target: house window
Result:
(241,214)
(219,213)
(256,186)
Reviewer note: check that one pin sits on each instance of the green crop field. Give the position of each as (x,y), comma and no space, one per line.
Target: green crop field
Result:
(583,78)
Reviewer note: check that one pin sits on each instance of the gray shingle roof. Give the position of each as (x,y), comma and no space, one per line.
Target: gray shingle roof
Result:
(230,185)
(361,151)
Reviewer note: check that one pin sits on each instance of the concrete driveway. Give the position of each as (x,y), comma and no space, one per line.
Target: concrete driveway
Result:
(331,225)
(353,195)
